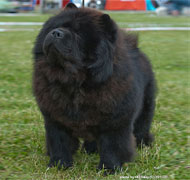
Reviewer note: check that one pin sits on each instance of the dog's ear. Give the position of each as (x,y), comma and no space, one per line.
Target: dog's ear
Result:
(70,6)
(109,27)
(102,69)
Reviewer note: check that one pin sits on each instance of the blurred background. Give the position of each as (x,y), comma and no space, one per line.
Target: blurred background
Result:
(161,7)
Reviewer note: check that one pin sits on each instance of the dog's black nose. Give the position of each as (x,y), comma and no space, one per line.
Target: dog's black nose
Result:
(57,33)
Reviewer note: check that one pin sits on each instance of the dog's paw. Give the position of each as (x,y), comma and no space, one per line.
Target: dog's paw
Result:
(147,140)
(60,163)
(109,169)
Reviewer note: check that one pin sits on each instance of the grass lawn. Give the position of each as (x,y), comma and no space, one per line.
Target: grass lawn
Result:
(22,141)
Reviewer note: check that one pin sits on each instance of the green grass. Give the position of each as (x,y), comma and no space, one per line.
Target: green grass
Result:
(22,141)
(37,18)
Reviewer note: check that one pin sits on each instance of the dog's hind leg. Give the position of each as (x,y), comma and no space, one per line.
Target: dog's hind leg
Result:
(143,122)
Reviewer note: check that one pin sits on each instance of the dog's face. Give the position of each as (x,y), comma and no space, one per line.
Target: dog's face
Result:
(82,38)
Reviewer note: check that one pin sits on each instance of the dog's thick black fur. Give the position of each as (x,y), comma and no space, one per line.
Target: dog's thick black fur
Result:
(91,81)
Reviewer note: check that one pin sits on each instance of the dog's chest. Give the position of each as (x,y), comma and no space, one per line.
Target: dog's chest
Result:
(80,114)
(72,106)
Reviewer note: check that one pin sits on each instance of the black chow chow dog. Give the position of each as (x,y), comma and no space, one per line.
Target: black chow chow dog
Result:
(91,81)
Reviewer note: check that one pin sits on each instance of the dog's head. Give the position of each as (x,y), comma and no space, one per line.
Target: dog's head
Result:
(81,37)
